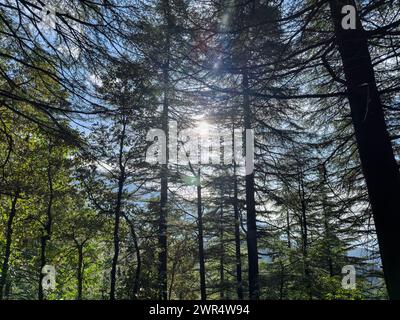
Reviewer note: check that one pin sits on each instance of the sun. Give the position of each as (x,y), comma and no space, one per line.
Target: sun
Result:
(203,128)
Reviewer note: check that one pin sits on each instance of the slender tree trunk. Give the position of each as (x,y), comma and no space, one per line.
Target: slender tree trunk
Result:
(8,288)
(162,240)
(7,252)
(289,244)
(117,214)
(328,236)
(222,255)
(175,263)
(47,229)
(250,206)
(80,271)
(374,146)
(238,258)
(304,235)
(282,281)
(303,216)
(172,277)
(162,237)
(136,284)
(201,240)
(116,241)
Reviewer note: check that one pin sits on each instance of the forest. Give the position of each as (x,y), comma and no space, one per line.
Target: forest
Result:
(199,149)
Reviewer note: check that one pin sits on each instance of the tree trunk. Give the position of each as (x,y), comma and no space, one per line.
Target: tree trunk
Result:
(7,252)
(8,288)
(201,245)
(80,271)
(116,241)
(281,281)
(239,282)
(376,154)
(136,284)
(117,214)
(289,244)
(47,229)
(304,235)
(222,254)
(172,277)
(250,206)
(328,236)
(162,239)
